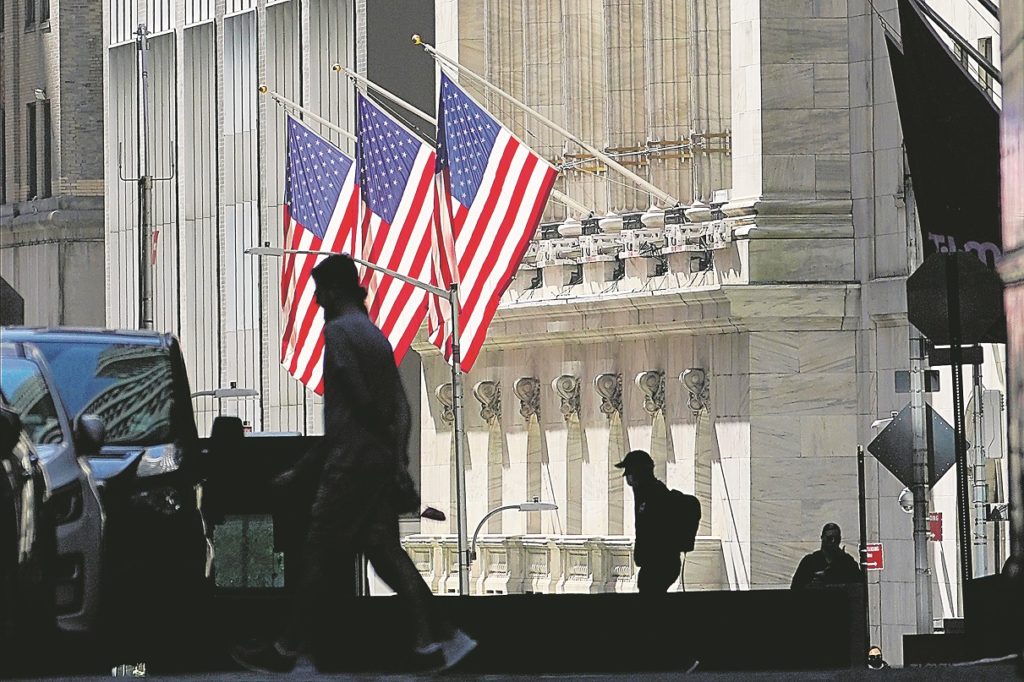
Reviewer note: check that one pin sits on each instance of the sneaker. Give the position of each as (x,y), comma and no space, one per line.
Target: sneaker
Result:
(265,659)
(428,658)
(456,648)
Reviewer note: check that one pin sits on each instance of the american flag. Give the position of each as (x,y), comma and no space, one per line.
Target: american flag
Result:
(396,173)
(494,189)
(321,209)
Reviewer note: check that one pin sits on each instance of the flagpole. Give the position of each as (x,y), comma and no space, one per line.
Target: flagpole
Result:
(387,94)
(663,196)
(460,437)
(281,99)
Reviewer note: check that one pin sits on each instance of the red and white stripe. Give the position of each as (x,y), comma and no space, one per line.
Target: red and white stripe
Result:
(302,343)
(404,246)
(490,239)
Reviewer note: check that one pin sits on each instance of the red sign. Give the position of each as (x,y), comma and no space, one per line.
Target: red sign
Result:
(935,526)
(874,560)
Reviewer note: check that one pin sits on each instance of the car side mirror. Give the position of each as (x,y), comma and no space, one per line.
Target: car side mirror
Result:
(10,429)
(90,434)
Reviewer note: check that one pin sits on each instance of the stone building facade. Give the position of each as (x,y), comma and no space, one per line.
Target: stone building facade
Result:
(51,159)
(781,277)
(778,278)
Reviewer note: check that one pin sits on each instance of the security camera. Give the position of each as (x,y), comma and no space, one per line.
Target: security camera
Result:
(906,500)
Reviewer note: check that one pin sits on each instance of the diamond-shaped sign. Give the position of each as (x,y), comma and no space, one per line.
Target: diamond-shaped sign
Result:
(894,446)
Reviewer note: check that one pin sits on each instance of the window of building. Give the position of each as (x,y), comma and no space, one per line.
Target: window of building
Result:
(984,77)
(30,152)
(3,14)
(30,12)
(45,175)
(44,10)
(38,150)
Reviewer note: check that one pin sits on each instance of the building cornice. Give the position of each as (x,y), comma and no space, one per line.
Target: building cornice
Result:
(719,310)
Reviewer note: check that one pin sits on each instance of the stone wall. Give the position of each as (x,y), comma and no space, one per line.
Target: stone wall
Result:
(51,246)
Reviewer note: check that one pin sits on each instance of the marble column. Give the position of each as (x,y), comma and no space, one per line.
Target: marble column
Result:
(791,196)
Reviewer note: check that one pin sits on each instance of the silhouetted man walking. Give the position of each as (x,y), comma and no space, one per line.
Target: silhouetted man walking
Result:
(656,551)
(365,445)
(830,566)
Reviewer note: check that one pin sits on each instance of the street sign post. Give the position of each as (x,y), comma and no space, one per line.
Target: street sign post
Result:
(954,299)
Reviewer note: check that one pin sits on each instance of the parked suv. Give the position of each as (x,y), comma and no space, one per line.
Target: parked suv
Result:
(147,471)
(26,550)
(72,500)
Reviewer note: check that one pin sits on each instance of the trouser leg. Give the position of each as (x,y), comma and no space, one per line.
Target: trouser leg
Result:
(657,578)
(397,569)
(327,574)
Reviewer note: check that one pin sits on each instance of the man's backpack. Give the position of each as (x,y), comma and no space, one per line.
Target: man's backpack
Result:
(685,519)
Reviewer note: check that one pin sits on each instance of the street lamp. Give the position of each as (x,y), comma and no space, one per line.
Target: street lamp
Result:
(232,392)
(535,505)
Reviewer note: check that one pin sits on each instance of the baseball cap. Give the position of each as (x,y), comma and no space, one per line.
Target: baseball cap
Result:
(635,459)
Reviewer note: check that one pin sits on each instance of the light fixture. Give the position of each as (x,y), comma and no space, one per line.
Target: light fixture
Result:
(40,94)
(227,391)
(906,500)
(264,251)
(533,505)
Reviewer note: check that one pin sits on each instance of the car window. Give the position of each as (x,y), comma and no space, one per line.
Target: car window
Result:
(129,386)
(29,396)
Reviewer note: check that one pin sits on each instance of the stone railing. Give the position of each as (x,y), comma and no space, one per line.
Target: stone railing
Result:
(546,564)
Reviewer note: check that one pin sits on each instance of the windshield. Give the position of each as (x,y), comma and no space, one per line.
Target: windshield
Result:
(129,386)
(23,384)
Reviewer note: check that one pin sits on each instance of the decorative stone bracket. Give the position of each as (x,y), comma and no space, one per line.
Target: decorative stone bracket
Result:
(567,387)
(609,387)
(652,383)
(698,384)
(446,397)
(489,395)
(527,389)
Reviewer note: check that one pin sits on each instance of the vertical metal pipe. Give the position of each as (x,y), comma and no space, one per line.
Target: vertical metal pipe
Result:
(918,417)
(963,512)
(460,460)
(145,182)
(980,480)
(922,572)
(863,514)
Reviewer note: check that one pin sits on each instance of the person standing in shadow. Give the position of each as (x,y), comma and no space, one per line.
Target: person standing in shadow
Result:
(830,566)
(362,458)
(654,551)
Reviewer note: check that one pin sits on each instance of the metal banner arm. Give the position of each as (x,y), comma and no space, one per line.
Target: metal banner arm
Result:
(387,94)
(660,194)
